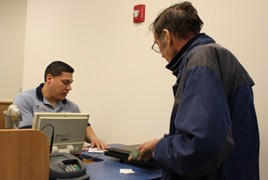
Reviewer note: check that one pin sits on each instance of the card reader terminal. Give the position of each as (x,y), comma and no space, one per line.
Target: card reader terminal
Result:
(66,166)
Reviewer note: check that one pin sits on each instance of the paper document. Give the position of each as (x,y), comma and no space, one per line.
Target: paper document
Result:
(95,150)
(126,171)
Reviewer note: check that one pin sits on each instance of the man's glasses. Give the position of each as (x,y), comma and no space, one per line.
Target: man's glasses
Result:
(155,47)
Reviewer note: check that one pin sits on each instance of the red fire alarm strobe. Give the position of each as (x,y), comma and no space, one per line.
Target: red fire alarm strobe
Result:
(139,13)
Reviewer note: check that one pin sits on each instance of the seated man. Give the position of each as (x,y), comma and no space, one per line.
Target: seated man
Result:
(50,96)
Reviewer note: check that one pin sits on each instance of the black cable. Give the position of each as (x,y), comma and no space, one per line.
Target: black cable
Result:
(52,136)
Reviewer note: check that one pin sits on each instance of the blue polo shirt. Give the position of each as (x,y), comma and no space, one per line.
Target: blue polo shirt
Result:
(31,101)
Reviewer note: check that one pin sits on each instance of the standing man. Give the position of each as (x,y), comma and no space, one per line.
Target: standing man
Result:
(50,96)
(213,127)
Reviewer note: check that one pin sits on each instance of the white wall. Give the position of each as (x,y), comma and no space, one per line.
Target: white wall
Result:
(121,82)
(12,36)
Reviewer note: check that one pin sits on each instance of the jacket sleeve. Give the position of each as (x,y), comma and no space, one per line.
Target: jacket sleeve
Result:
(202,127)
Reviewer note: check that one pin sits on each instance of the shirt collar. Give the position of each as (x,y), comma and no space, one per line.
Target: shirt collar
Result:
(40,96)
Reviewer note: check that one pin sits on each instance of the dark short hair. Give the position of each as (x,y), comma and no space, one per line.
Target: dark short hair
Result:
(180,19)
(57,67)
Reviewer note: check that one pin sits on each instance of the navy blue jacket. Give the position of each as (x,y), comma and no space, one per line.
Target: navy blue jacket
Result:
(213,126)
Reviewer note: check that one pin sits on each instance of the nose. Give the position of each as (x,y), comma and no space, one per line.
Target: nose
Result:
(69,87)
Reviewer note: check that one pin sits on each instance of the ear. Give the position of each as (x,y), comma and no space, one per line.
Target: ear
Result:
(49,78)
(167,36)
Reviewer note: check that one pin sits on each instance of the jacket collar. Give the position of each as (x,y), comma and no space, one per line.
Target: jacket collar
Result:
(176,64)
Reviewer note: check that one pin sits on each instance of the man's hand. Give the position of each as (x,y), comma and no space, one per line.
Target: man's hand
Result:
(97,143)
(94,141)
(144,152)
